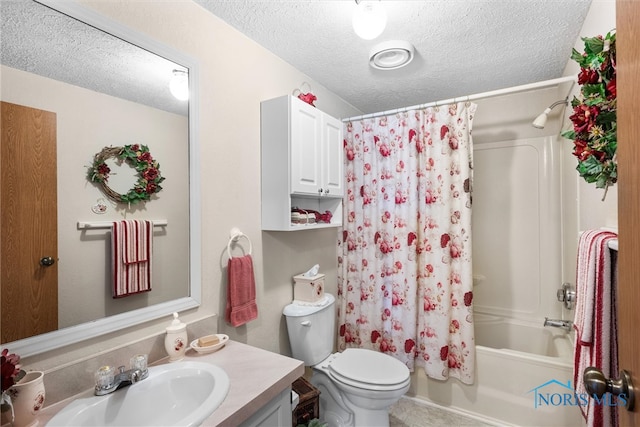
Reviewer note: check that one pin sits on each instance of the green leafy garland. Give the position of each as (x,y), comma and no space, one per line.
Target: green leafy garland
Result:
(138,157)
(594,113)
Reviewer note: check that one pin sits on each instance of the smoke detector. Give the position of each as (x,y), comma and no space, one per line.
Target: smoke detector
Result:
(391,55)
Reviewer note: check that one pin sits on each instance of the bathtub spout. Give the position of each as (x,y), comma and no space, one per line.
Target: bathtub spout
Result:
(563,324)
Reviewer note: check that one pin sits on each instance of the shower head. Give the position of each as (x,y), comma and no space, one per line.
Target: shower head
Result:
(541,120)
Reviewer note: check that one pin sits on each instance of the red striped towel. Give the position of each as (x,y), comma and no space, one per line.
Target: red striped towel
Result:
(131,250)
(595,319)
(241,291)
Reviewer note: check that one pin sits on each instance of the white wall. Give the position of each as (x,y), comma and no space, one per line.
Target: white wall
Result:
(592,211)
(583,207)
(235,75)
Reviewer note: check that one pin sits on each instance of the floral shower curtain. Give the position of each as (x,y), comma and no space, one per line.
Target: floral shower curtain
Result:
(405,281)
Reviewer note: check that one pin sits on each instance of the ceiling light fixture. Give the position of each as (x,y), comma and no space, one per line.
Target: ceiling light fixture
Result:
(391,55)
(179,85)
(541,120)
(369,19)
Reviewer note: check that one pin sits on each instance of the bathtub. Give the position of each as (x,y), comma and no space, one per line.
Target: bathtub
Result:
(521,370)
(499,333)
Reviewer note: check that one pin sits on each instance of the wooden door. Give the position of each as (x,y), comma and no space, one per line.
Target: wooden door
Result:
(28,222)
(628,86)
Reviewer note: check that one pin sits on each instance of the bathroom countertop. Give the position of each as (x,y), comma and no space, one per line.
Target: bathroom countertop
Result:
(256,377)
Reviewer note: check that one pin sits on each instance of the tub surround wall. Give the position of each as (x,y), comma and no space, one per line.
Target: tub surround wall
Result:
(517,205)
(517,228)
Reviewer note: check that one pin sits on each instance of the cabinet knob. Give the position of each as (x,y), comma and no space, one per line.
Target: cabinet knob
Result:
(326,191)
(319,190)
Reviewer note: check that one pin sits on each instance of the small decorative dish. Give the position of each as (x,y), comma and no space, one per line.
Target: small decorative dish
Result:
(210,348)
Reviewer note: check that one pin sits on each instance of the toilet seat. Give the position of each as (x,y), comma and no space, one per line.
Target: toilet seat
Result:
(368,369)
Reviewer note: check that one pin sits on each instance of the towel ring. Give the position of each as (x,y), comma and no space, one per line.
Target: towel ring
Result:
(235,235)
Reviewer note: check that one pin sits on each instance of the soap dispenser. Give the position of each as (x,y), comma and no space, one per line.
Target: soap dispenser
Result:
(176,340)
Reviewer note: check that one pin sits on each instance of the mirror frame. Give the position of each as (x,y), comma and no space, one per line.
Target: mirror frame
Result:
(74,334)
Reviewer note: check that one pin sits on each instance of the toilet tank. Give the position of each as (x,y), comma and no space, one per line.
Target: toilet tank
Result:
(311,330)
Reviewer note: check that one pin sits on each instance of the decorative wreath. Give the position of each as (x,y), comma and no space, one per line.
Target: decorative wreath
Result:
(594,113)
(138,157)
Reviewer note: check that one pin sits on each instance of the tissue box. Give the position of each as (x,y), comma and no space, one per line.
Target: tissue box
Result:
(310,289)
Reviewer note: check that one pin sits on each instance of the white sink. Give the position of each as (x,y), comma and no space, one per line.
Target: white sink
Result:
(176,394)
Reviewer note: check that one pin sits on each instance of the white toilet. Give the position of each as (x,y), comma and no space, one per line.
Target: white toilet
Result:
(356,386)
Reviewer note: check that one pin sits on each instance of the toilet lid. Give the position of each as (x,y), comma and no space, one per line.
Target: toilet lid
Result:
(369,367)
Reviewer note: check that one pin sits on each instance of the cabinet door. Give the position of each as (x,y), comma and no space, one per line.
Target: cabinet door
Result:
(332,158)
(305,148)
(276,413)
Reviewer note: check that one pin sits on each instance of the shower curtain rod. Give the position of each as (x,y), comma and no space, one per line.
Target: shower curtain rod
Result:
(483,95)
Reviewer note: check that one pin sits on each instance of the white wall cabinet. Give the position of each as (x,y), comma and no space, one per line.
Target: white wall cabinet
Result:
(302,163)
(316,151)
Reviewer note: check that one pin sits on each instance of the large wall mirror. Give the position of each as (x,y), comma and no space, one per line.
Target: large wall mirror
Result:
(104,85)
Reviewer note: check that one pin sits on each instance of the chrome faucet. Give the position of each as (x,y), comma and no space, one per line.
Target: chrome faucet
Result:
(108,381)
(556,323)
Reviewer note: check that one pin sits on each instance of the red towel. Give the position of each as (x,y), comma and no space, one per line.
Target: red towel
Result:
(595,319)
(241,291)
(131,250)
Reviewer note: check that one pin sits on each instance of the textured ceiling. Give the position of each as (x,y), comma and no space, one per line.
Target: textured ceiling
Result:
(463,47)
(42,41)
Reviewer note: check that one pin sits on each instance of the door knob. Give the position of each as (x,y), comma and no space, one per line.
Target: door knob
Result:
(47,261)
(596,383)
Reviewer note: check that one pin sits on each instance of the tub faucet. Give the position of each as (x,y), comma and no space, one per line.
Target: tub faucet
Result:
(556,323)
(107,381)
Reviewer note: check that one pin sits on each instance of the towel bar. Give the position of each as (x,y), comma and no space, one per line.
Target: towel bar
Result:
(90,225)
(613,244)
(236,234)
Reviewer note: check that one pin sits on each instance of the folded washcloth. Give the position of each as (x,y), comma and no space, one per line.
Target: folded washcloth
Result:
(136,241)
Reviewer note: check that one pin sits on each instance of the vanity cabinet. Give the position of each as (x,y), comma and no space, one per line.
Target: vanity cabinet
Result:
(275,413)
(302,164)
